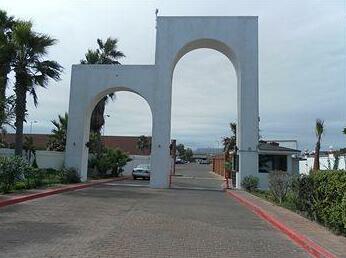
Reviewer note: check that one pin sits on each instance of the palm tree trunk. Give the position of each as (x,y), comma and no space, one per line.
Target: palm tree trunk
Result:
(97,116)
(3,84)
(20,109)
(316,166)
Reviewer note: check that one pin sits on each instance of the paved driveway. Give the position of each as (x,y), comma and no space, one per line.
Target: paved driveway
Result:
(197,176)
(135,221)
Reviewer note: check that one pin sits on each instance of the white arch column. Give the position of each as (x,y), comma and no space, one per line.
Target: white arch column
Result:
(248,111)
(78,127)
(160,153)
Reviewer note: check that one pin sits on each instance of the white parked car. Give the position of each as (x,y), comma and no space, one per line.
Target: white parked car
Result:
(141,171)
(204,161)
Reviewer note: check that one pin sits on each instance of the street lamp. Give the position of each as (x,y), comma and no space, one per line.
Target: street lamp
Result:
(32,122)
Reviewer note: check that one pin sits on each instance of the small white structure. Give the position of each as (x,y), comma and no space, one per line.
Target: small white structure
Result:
(235,37)
(326,162)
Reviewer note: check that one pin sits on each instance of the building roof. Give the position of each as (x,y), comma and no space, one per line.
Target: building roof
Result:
(125,143)
(273,147)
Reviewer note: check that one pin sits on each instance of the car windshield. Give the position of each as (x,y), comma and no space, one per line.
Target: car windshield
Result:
(144,166)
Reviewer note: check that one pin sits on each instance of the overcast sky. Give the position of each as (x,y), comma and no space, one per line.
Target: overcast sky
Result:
(302,64)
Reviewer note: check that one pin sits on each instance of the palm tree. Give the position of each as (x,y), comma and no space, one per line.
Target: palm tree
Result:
(319,129)
(30,70)
(7,116)
(6,56)
(57,141)
(344,131)
(106,53)
(229,143)
(143,143)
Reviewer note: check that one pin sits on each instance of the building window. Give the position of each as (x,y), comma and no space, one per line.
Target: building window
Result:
(269,163)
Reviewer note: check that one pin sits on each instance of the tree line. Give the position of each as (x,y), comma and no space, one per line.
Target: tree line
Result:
(23,54)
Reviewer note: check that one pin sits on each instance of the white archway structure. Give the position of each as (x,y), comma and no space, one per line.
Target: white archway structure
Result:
(235,37)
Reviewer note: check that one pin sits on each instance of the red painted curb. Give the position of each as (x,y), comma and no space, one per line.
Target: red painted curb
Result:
(28,197)
(308,245)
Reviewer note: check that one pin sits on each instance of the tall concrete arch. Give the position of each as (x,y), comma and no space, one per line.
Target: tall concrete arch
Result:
(235,37)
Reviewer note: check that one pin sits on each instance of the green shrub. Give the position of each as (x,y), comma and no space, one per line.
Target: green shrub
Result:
(69,176)
(20,185)
(33,177)
(250,183)
(278,184)
(343,205)
(110,160)
(321,197)
(51,176)
(117,160)
(11,170)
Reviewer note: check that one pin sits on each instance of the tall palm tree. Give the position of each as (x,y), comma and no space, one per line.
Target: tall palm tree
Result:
(57,141)
(106,53)
(229,143)
(344,131)
(6,56)
(319,129)
(31,70)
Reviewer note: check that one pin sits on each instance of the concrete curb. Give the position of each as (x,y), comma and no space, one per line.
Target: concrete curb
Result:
(49,192)
(308,245)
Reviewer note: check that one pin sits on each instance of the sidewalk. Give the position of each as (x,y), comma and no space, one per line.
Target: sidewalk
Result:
(26,195)
(311,230)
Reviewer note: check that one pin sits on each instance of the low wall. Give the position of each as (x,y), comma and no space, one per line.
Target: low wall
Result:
(44,159)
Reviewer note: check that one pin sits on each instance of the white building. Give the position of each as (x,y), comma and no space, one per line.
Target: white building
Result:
(327,161)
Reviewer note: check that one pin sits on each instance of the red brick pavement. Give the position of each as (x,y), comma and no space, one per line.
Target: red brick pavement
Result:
(14,198)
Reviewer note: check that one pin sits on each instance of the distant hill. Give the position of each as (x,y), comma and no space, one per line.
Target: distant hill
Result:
(211,151)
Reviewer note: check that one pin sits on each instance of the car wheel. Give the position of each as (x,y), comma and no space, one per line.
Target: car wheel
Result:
(134,177)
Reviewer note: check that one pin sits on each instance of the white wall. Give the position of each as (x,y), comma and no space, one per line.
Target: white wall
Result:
(45,159)
(306,165)
(55,159)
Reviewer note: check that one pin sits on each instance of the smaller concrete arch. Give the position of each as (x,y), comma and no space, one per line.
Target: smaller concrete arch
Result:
(89,83)
(92,104)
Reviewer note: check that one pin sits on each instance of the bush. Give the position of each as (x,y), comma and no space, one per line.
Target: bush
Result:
(321,197)
(33,177)
(250,183)
(278,184)
(69,176)
(12,170)
(117,160)
(110,160)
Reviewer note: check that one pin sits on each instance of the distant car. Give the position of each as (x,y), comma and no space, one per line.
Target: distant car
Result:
(180,161)
(141,171)
(204,161)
